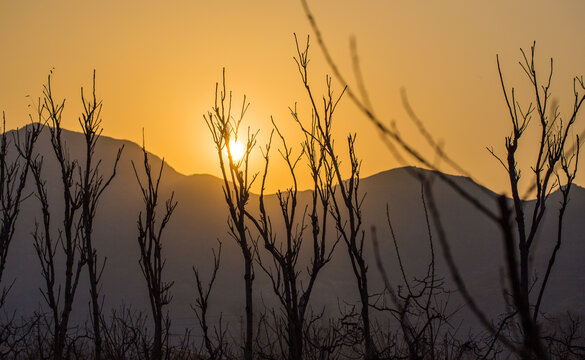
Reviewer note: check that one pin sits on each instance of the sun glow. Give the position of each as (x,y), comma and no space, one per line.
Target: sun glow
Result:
(236,149)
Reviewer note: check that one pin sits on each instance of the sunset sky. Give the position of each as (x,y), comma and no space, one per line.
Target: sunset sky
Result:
(157,64)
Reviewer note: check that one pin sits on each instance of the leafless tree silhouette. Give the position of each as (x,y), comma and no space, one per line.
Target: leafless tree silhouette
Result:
(15,160)
(554,152)
(346,206)
(13,177)
(420,305)
(238,180)
(93,184)
(64,242)
(58,294)
(285,277)
(152,262)
(215,345)
(125,335)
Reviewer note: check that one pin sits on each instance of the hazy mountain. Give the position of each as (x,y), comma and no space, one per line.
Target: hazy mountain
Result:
(201,216)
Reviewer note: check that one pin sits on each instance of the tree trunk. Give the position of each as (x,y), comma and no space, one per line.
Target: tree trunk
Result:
(295,337)
(248,279)
(95,306)
(157,345)
(370,350)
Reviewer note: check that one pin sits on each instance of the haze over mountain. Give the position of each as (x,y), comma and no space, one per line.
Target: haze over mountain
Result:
(200,219)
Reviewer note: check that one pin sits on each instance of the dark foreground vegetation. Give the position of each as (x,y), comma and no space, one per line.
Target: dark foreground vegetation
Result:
(412,318)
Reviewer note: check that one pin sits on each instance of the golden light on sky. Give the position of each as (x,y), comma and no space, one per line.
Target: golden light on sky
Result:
(157,63)
(236,150)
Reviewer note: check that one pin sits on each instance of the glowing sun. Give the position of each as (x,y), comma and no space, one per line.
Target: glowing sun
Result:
(236,149)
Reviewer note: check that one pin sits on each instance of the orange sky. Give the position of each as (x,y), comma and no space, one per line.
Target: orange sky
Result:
(157,64)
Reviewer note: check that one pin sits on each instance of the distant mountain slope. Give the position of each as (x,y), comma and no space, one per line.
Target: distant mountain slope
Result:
(201,216)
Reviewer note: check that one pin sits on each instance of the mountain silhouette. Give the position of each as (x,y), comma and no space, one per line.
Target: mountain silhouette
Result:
(200,219)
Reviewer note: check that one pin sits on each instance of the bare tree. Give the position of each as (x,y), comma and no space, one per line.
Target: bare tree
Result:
(15,160)
(152,262)
(93,184)
(81,196)
(286,281)
(346,206)
(565,337)
(553,150)
(58,295)
(420,305)
(238,180)
(126,335)
(13,177)
(15,335)
(216,349)
(552,153)
(327,339)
